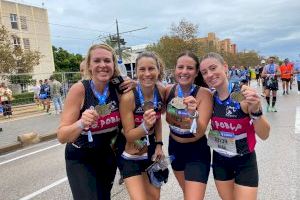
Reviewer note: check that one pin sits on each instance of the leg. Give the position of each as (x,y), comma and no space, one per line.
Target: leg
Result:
(225,189)
(153,192)
(136,187)
(244,192)
(180,178)
(298,83)
(56,104)
(194,190)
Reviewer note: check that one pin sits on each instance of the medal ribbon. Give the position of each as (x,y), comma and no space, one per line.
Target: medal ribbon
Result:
(102,100)
(142,99)
(101,97)
(230,87)
(180,94)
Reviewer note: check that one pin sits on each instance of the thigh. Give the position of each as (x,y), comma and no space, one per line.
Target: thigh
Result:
(194,190)
(136,187)
(244,192)
(152,191)
(180,178)
(225,189)
(246,171)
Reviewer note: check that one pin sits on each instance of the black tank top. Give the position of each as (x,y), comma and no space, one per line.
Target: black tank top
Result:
(108,126)
(176,130)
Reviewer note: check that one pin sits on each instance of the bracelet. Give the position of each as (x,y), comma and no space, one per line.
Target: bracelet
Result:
(195,115)
(257,114)
(80,124)
(144,128)
(159,142)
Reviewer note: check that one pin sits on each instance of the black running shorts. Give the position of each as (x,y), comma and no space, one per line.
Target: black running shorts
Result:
(193,158)
(243,169)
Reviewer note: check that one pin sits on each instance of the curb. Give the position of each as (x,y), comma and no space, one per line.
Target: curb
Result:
(19,145)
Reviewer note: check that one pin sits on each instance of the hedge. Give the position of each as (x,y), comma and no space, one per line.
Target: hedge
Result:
(23,98)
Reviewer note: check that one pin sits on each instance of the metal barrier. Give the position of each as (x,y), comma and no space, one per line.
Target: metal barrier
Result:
(23,85)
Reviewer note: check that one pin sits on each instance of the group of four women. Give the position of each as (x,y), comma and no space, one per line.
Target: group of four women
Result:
(104,129)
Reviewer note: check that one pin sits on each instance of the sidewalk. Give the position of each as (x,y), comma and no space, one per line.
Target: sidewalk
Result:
(43,125)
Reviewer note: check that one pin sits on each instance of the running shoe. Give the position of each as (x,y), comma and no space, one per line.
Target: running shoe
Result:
(269,109)
(283,93)
(274,109)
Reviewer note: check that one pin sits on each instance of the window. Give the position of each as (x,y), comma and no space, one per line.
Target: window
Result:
(16,41)
(23,23)
(14,21)
(26,43)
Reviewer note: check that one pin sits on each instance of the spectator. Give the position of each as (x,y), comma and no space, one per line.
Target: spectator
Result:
(45,95)
(36,93)
(55,92)
(6,98)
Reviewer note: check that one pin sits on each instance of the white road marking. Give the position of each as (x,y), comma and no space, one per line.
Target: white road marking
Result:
(30,196)
(29,154)
(297,121)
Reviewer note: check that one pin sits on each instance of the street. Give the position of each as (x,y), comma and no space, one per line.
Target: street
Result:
(38,172)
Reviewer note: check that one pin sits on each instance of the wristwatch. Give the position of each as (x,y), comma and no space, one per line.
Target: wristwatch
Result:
(159,142)
(256,115)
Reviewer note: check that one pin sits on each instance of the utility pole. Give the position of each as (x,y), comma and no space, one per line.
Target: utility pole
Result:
(118,41)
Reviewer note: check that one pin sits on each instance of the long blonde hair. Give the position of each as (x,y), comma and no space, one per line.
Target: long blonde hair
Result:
(87,72)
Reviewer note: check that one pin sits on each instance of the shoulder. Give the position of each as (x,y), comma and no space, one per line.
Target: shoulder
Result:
(77,89)
(204,93)
(162,90)
(169,88)
(127,97)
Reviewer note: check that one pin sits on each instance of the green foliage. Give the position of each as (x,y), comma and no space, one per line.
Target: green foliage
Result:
(15,59)
(65,61)
(23,98)
(21,79)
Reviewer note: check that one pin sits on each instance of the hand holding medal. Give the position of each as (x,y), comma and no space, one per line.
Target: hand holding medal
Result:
(251,98)
(149,118)
(88,118)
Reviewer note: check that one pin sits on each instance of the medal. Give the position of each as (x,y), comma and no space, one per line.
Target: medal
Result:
(177,102)
(103,110)
(237,96)
(148,105)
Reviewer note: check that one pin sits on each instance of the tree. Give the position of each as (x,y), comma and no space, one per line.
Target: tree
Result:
(182,37)
(15,59)
(185,30)
(65,61)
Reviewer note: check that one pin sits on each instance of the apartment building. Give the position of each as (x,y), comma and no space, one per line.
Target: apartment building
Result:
(29,28)
(221,45)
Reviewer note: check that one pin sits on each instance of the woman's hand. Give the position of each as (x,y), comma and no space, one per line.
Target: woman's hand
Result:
(89,117)
(191,103)
(158,154)
(127,85)
(251,98)
(149,118)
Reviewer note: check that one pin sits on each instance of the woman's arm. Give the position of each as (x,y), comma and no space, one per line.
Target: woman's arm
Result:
(252,104)
(204,108)
(127,106)
(70,127)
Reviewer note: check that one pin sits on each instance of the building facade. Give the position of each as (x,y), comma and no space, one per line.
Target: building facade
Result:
(221,45)
(29,28)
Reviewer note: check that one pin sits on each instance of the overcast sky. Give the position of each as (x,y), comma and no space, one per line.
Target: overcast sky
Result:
(271,28)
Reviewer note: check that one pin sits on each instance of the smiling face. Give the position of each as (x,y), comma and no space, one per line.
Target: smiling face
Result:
(147,71)
(185,71)
(213,72)
(101,64)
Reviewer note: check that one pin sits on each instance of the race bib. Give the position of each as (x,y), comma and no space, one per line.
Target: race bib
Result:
(227,144)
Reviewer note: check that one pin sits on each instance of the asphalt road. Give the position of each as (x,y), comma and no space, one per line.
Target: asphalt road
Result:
(38,172)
